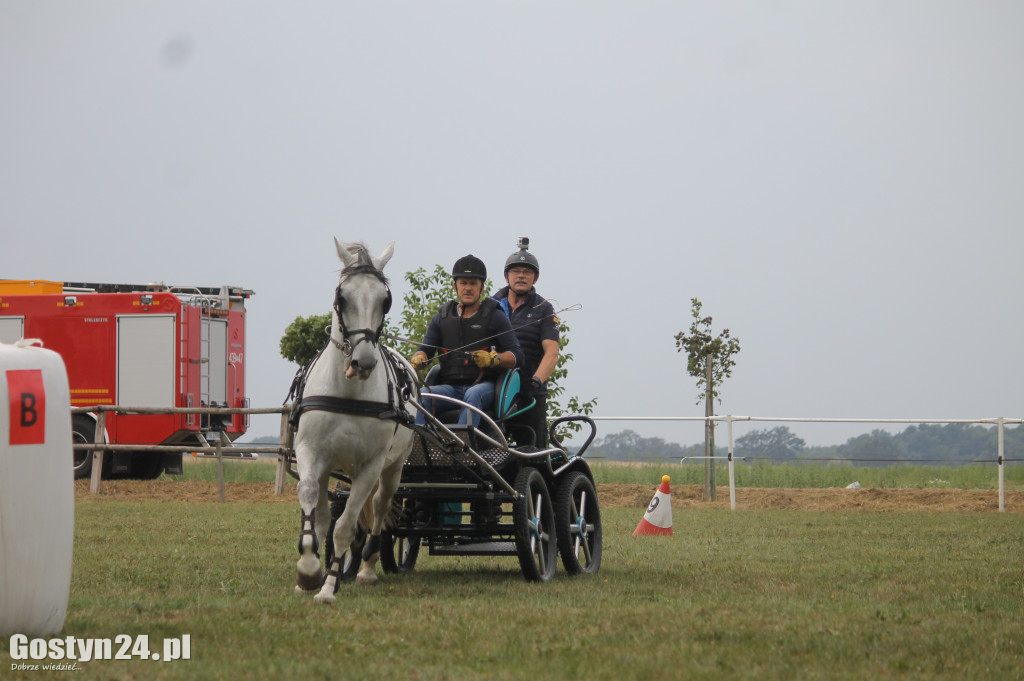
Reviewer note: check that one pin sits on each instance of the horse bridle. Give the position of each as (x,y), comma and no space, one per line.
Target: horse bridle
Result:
(401,378)
(347,346)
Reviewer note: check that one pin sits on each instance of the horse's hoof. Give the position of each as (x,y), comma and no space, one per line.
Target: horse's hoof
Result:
(299,591)
(325,598)
(366,580)
(308,584)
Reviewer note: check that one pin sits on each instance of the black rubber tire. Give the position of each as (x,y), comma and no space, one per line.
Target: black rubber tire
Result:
(145,466)
(579,524)
(398,554)
(352,558)
(533,518)
(83,431)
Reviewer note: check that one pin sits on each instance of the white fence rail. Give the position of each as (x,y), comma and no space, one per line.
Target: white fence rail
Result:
(283,449)
(999,422)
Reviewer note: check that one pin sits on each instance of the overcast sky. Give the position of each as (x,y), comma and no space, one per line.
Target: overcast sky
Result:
(840,183)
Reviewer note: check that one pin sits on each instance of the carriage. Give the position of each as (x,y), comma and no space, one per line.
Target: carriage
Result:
(469,492)
(458,490)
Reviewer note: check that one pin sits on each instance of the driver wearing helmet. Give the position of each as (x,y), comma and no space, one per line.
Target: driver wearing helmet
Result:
(536,326)
(475,340)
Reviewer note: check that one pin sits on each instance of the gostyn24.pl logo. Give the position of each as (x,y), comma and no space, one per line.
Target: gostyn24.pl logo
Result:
(70,650)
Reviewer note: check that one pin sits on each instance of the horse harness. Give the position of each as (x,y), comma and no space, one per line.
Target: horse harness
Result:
(400,390)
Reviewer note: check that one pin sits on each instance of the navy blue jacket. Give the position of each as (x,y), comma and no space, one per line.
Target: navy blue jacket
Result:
(534,321)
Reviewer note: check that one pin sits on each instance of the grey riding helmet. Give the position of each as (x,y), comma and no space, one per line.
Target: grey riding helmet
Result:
(523,258)
(469,267)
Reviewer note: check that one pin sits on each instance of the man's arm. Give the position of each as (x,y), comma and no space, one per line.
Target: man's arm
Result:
(548,362)
(431,339)
(548,343)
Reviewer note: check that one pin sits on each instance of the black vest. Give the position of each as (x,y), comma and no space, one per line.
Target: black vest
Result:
(468,335)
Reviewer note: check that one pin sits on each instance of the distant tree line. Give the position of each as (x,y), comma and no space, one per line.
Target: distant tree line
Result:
(926,444)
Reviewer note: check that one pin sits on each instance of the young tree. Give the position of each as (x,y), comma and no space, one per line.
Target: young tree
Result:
(710,361)
(704,351)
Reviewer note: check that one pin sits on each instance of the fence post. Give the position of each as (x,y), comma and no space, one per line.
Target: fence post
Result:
(220,471)
(732,471)
(710,493)
(97,454)
(284,453)
(1002,499)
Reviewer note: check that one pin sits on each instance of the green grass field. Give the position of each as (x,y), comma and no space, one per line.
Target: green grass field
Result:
(758,595)
(976,476)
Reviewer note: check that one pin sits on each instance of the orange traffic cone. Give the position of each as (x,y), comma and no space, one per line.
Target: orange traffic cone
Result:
(658,518)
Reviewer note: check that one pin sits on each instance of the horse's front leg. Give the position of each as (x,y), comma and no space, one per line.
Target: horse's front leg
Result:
(344,533)
(315,511)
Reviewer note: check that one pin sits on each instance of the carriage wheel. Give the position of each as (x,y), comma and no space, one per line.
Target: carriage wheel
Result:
(398,554)
(534,519)
(579,524)
(350,562)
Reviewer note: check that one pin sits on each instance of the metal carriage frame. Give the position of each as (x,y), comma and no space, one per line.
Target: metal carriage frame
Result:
(467,491)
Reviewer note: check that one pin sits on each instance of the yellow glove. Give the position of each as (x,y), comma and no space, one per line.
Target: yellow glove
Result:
(418,361)
(485,359)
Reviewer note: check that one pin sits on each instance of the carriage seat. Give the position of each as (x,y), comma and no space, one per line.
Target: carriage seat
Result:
(508,400)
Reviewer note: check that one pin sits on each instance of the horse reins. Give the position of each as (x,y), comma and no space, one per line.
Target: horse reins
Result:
(462,349)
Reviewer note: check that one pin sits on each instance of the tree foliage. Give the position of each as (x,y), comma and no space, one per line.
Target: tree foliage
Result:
(428,291)
(701,346)
(878,444)
(630,446)
(928,444)
(777,444)
(305,337)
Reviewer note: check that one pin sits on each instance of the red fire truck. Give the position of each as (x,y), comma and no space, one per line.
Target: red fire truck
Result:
(139,346)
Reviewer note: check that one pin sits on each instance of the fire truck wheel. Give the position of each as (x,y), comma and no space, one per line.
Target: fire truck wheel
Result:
(83,431)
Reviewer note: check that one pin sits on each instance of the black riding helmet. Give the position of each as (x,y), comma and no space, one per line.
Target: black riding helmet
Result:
(523,257)
(469,267)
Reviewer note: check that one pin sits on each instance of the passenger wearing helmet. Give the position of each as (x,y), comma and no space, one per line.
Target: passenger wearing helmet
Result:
(475,343)
(536,327)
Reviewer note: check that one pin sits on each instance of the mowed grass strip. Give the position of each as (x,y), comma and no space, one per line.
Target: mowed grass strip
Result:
(758,474)
(765,595)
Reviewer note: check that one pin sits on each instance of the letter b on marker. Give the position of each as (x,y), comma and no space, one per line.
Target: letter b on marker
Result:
(27,397)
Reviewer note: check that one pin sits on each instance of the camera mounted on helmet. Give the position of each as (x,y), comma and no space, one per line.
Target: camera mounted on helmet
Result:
(523,257)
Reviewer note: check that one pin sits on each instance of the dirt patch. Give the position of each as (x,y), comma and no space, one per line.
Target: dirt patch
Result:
(182,490)
(611,496)
(819,499)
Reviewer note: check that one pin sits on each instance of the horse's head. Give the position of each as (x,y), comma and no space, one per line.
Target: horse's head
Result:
(361,301)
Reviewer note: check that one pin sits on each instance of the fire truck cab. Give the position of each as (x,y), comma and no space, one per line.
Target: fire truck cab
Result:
(139,346)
